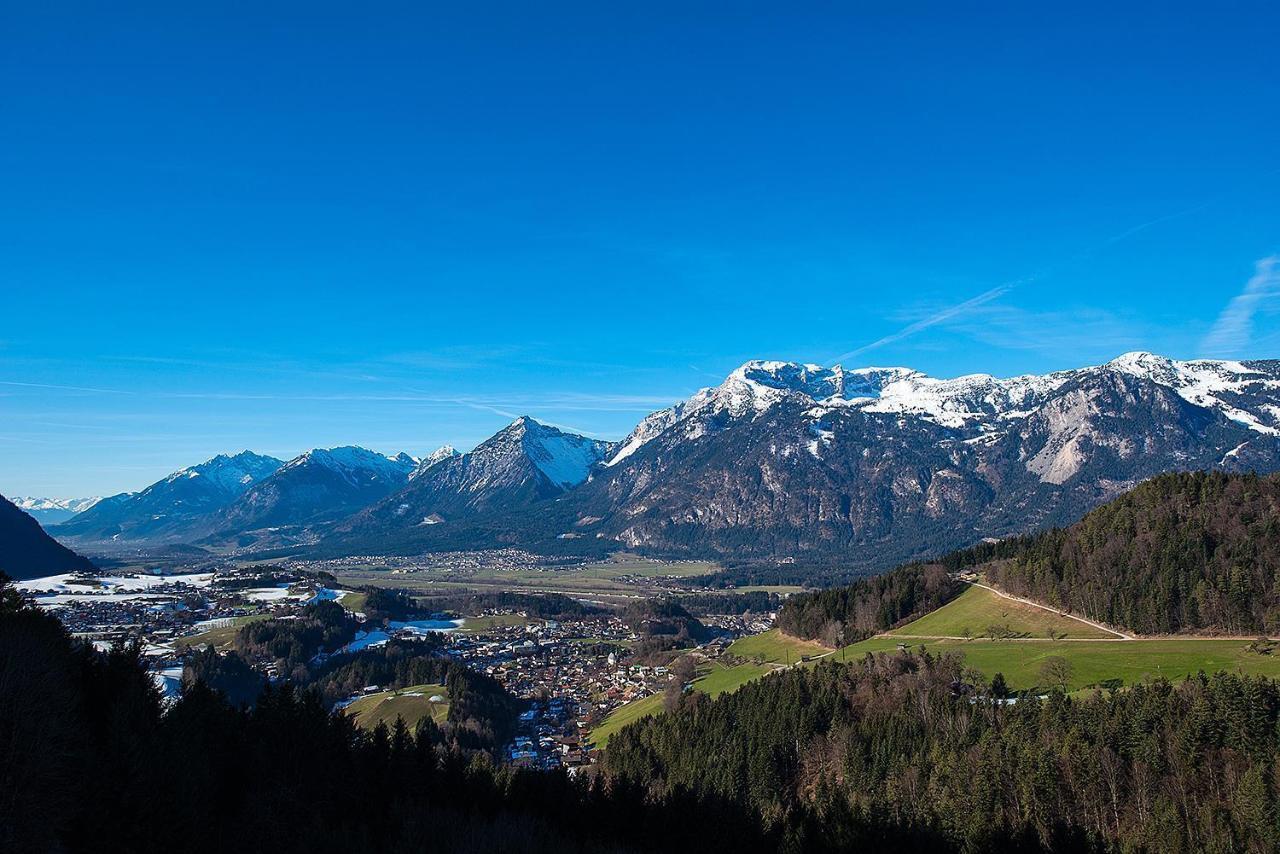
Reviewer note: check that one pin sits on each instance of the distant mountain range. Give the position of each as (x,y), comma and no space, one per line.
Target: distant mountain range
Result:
(176,508)
(51,511)
(865,467)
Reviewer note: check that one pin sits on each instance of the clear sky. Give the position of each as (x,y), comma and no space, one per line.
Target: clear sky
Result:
(401,225)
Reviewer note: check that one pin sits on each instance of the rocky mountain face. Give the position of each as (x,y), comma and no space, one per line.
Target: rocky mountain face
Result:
(863,467)
(51,511)
(879,465)
(521,466)
(319,486)
(174,509)
(26,551)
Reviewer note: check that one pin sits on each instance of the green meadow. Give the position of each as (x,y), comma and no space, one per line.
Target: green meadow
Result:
(412,704)
(979,611)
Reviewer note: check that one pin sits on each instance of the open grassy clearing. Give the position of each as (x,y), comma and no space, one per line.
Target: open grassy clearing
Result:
(413,704)
(776,648)
(1097,663)
(353,600)
(1097,658)
(619,578)
(714,679)
(222,637)
(767,588)
(979,611)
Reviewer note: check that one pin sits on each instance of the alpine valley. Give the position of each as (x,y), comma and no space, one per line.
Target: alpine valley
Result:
(780,463)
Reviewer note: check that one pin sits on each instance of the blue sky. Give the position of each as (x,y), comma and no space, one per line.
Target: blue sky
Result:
(400,227)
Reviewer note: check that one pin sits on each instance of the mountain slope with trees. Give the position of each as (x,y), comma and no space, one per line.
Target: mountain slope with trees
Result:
(1191,552)
(26,551)
(894,744)
(1181,552)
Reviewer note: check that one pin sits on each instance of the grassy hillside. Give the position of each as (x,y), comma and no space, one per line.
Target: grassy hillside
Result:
(412,704)
(978,611)
(1094,663)
(764,653)
(713,679)
(1097,659)
(220,638)
(774,647)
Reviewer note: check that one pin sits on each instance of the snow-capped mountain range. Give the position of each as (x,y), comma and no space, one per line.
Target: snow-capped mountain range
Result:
(1246,392)
(786,458)
(864,465)
(51,511)
(319,486)
(521,465)
(166,509)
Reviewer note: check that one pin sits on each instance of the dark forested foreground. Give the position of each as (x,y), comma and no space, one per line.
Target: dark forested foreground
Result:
(1192,552)
(887,751)
(884,754)
(90,761)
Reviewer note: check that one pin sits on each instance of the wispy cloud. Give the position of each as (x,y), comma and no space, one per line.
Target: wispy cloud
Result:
(1233,331)
(934,319)
(76,388)
(1068,335)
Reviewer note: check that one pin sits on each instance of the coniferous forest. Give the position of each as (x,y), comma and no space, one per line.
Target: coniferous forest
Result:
(1194,552)
(894,752)
(92,761)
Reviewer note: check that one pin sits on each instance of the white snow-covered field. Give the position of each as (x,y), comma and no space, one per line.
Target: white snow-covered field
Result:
(169,681)
(378,637)
(68,587)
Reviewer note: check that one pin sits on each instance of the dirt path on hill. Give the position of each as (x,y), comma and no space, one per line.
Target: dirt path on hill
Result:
(1119,634)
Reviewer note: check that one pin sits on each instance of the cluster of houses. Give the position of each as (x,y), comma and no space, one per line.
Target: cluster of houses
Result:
(574,671)
(547,737)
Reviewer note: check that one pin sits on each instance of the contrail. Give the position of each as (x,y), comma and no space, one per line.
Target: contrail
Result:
(939,317)
(66,387)
(987,296)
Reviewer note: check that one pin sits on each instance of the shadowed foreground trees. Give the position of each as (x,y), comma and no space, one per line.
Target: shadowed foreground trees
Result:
(888,754)
(896,747)
(90,761)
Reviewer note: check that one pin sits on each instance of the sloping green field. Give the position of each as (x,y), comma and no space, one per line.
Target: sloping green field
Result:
(220,638)
(1096,658)
(714,679)
(775,647)
(978,611)
(1098,663)
(413,704)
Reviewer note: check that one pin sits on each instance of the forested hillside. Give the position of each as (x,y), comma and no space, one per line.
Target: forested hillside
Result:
(1180,552)
(870,605)
(889,752)
(1190,552)
(26,551)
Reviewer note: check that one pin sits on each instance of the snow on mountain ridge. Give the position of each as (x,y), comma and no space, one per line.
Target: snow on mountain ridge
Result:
(353,457)
(564,458)
(229,473)
(72,505)
(439,455)
(974,400)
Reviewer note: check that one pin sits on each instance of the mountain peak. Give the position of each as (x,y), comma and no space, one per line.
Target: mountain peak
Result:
(444,452)
(229,472)
(353,458)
